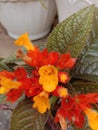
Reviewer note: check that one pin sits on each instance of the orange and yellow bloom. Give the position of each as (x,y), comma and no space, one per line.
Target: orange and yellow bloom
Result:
(92,117)
(41,102)
(7,84)
(73,107)
(63,77)
(47,79)
(24,40)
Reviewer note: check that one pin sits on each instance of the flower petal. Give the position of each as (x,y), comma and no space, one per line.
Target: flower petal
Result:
(63,77)
(41,101)
(24,40)
(8,84)
(48,77)
(92,118)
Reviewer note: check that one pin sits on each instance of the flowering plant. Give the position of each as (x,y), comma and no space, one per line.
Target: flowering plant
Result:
(60,90)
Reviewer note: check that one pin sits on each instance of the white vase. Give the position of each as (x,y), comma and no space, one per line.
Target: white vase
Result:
(29,16)
(66,8)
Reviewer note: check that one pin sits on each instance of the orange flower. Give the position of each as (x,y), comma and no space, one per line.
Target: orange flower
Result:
(7,74)
(41,58)
(63,77)
(60,92)
(7,85)
(72,108)
(24,40)
(92,118)
(65,61)
(41,101)
(48,77)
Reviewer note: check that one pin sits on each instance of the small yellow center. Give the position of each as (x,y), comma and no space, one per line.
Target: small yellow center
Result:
(62,92)
(63,77)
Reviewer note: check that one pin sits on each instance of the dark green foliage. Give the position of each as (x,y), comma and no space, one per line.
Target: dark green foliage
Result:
(87,65)
(85,87)
(26,118)
(85,73)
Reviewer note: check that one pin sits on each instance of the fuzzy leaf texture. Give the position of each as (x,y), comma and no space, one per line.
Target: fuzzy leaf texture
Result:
(86,68)
(72,34)
(87,65)
(84,86)
(25,117)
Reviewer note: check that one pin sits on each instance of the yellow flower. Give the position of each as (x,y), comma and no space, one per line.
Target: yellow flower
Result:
(41,102)
(7,84)
(62,92)
(24,40)
(92,118)
(48,77)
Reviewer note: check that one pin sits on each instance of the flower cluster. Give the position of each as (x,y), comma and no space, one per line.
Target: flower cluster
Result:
(48,78)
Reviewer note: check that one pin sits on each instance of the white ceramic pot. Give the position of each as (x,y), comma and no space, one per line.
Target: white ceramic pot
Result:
(66,8)
(29,16)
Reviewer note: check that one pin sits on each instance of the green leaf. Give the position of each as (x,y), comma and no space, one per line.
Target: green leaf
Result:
(2,98)
(10,62)
(4,67)
(10,59)
(85,87)
(95,24)
(85,128)
(87,65)
(25,117)
(72,34)
(1,58)
(7,63)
